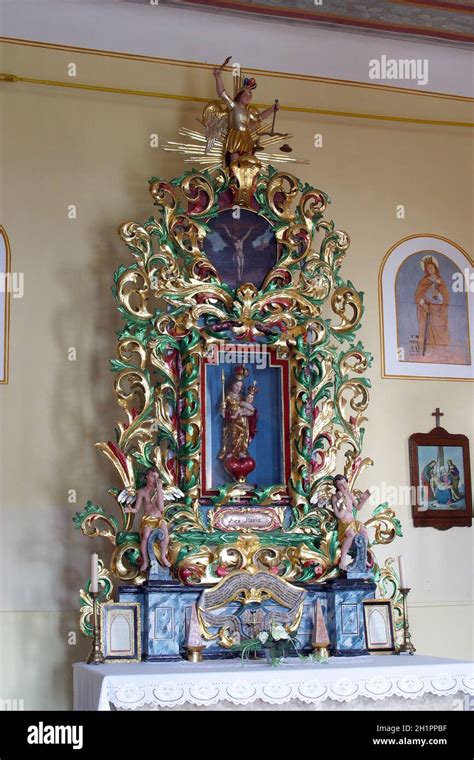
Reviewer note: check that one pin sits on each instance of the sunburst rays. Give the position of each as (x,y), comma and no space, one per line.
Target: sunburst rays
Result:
(195,151)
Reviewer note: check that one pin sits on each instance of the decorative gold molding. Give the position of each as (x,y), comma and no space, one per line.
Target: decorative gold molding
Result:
(173,96)
(258,72)
(6,329)
(381,319)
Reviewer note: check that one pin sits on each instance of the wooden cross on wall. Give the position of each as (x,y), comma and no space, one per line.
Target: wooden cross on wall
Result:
(438,414)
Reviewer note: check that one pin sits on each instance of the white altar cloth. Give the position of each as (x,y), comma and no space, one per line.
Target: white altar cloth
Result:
(170,684)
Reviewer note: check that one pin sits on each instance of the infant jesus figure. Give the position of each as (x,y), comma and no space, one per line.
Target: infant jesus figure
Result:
(151,498)
(343,502)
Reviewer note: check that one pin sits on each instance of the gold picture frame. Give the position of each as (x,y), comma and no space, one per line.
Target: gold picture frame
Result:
(397,360)
(119,621)
(378,625)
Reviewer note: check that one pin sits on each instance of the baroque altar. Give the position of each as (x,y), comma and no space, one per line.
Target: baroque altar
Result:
(242,390)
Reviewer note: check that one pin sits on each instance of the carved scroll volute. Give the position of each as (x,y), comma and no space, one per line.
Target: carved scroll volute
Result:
(138,240)
(164,197)
(128,349)
(355,465)
(343,298)
(359,399)
(133,292)
(334,245)
(200,194)
(282,189)
(187,233)
(134,394)
(312,206)
(296,240)
(316,278)
(353,361)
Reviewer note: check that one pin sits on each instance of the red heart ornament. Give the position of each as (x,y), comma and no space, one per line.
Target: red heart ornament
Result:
(239,468)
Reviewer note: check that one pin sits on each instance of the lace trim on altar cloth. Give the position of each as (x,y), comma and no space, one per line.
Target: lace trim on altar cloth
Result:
(169,694)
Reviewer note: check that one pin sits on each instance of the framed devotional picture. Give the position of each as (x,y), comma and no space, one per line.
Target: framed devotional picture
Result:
(120,631)
(440,480)
(426,310)
(378,624)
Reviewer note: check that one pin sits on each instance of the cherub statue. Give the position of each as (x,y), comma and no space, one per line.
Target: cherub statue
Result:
(233,119)
(343,502)
(151,497)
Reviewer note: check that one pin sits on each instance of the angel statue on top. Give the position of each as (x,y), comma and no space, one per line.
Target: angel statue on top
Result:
(234,120)
(234,129)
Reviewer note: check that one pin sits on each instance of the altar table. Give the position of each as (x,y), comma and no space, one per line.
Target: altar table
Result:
(369,682)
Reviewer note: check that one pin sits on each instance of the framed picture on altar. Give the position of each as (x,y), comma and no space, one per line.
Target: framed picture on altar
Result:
(378,624)
(120,632)
(440,479)
(427,310)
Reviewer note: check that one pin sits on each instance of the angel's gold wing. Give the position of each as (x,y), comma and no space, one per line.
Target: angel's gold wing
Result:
(215,120)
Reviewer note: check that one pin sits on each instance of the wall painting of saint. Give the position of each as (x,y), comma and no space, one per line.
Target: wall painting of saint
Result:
(427,310)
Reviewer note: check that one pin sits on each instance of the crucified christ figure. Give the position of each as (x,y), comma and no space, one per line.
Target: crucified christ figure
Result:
(238,256)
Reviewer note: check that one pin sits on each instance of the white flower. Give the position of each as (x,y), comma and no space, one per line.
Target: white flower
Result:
(263,636)
(278,632)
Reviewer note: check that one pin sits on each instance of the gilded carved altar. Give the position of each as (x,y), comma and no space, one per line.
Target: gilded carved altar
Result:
(178,311)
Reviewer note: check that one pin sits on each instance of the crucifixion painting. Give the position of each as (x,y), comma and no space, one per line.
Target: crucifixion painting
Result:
(243,249)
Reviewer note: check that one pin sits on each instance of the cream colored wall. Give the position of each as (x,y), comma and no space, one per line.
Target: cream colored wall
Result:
(91,149)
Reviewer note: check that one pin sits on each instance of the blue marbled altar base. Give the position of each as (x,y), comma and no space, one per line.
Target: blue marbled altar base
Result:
(345,618)
(166,609)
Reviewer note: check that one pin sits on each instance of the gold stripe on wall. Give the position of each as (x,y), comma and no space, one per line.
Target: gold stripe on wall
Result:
(13,78)
(260,72)
(6,326)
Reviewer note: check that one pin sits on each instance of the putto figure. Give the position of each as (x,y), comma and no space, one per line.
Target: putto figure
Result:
(152,497)
(343,504)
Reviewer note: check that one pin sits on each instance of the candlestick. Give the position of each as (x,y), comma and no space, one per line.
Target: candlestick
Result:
(94,587)
(407,647)
(401,571)
(95,656)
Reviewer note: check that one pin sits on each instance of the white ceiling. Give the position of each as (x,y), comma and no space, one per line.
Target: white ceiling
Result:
(195,35)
